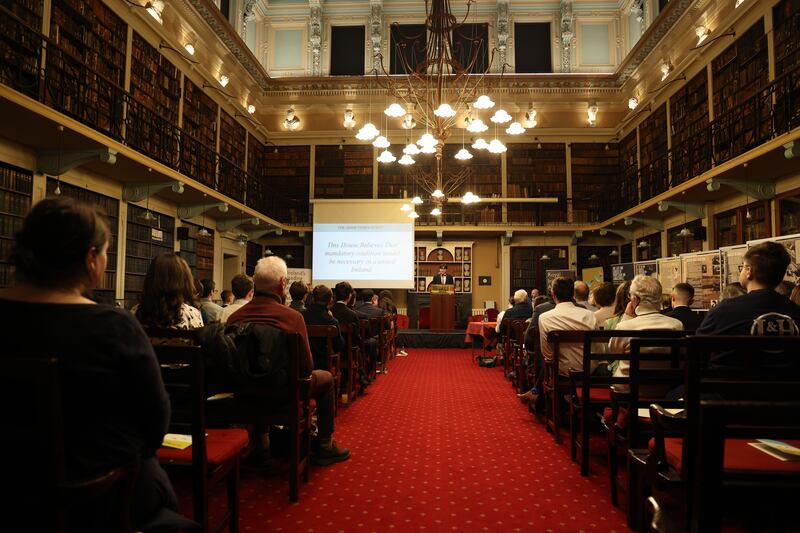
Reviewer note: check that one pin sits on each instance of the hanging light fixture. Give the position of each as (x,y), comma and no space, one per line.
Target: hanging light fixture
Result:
(496,147)
(483,102)
(444,111)
(395,110)
(406,207)
(386,157)
(438,194)
(476,125)
(411,149)
(643,244)
(413,214)
(381,142)
(501,116)
(614,253)
(515,128)
(406,160)
(416,200)
(480,144)
(593,257)
(367,132)
(463,154)
(436,211)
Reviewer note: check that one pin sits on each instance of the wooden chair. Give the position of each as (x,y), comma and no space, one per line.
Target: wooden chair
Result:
(350,363)
(673,460)
(491,314)
(367,354)
(329,334)
(516,330)
(42,497)
(725,460)
(555,385)
(376,325)
(384,326)
(214,454)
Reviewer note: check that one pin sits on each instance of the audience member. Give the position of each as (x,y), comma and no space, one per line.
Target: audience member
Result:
(682,298)
(795,297)
(385,302)
(566,315)
(534,295)
(643,312)
(267,307)
(208,309)
(604,297)
(762,311)
(227,298)
(784,288)
(621,300)
(520,309)
(540,300)
(367,304)
(298,291)
(501,314)
(243,292)
(732,290)
(341,310)
(318,314)
(666,303)
(534,359)
(582,296)
(115,410)
(168,295)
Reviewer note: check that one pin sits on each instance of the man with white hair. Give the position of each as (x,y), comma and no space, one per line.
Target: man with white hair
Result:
(643,312)
(521,309)
(267,307)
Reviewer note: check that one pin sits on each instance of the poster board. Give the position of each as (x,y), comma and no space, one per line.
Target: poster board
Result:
(645,268)
(792,245)
(551,275)
(621,272)
(732,259)
(702,271)
(592,276)
(669,273)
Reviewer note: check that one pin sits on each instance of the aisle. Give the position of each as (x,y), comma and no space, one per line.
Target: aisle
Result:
(438,444)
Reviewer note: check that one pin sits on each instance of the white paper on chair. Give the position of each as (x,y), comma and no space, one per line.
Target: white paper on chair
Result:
(777,449)
(644,412)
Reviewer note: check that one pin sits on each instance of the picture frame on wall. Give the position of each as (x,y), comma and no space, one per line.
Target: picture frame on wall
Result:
(458,253)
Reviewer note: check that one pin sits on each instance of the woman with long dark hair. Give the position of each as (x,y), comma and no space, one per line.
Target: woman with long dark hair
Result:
(168,296)
(114,406)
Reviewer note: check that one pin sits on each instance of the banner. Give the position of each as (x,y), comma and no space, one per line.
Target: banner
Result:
(621,272)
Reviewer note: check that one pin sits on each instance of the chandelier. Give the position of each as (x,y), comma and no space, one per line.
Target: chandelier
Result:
(440,91)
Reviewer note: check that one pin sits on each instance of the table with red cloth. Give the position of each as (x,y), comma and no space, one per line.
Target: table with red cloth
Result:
(485,331)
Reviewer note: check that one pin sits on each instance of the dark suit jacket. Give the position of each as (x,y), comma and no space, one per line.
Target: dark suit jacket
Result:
(317,315)
(345,315)
(520,310)
(367,310)
(532,333)
(689,319)
(437,280)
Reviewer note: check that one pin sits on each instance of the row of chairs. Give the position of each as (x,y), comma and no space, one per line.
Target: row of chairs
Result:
(638,417)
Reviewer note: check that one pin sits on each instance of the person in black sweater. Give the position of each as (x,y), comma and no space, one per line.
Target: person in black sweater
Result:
(521,309)
(114,406)
(317,313)
(762,311)
(682,297)
(343,293)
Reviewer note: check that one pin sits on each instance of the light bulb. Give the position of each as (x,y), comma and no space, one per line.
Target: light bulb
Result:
(251,109)
(437,193)
(501,116)
(483,102)
(436,212)
(381,142)
(416,200)
(444,111)
(411,149)
(515,128)
(480,144)
(685,232)
(463,154)
(405,207)
(496,147)
(477,126)
(702,34)
(413,214)
(386,157)
(367,132)
(633,102)
(666,68)
(395,110)
(223,80)
(189,48)
(614,253)
(468,198)
(545,257)
(406,160)
(427,140)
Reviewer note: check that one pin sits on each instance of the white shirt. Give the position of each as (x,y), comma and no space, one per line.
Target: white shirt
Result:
(228,311)
(603,314)
(566,316)
(646,318)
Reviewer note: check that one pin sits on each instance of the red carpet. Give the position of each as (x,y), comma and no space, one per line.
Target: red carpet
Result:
(438,444)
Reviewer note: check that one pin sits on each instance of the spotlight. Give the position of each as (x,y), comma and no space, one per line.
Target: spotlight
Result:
(702,34)
(633,102)
(223,80)
(189,48)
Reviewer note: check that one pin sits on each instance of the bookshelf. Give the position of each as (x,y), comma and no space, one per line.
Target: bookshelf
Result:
(232,139)
(254,252)
(629,173)
(456,255)
(198,251)
(106,290)
(532,172)
(145,240)
(652,250)
(688,110)
(20,48)
(16,187)
(786,21)
(595,175)
(92,37)
(732,227)
(287,174)
(788,210)
(155,92)
(343,171)
(198,153)
(677,245)
(256,157)
(528,270)
(652,153)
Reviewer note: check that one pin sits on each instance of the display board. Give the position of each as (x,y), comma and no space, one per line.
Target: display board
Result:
(792,245)
(702,271)
(645,268)
(621,272)
(669,273)
(552,275)
(732,259)
(592,275)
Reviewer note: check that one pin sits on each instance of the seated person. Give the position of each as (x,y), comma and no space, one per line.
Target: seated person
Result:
(114,406)
(566,315)
(243,292)
(521,309)
(604,294)
(502,314)
(582,296)
(621,300)
(542,305)
(267,307)
(298,291)
(167,296)
(643,312)
(762,311)
(208,309)
(682,298)
(341,310)
(318,314)
(227,298)
(367,307)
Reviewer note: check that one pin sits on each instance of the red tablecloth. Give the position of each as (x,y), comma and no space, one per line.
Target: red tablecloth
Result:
(480,329)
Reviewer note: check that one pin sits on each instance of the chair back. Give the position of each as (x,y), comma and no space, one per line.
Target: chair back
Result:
(425,317)
(33,441)
(491,314)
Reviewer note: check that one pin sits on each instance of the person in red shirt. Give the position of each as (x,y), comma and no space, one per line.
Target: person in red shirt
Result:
(268,307)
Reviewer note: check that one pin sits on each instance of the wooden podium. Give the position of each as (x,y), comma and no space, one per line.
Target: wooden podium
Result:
(443,307)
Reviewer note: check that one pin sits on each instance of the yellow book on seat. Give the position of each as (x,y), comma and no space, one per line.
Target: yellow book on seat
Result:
(177,441)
